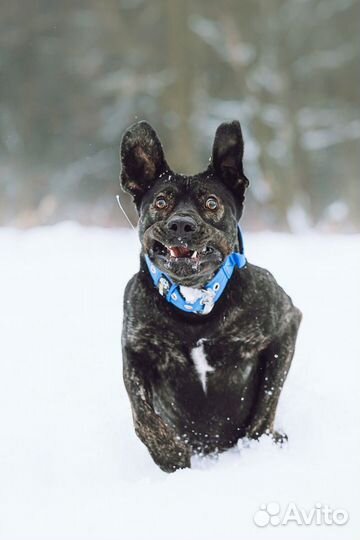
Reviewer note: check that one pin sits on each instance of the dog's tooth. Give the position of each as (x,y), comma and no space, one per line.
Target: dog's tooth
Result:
(194,255)
(172,252)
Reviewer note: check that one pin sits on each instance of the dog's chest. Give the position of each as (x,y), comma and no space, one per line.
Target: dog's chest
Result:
(206,366)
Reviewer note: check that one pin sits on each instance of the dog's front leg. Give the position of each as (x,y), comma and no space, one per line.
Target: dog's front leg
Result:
(163,443)
(275,365)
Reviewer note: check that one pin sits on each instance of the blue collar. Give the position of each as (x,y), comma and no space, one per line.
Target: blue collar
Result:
(200,301)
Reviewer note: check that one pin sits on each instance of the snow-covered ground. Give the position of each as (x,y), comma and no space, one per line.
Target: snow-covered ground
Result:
(71,467)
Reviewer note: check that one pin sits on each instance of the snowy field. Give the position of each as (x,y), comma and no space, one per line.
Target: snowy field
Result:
(71,467)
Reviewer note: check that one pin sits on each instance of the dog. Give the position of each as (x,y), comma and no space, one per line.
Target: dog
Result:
(208,338)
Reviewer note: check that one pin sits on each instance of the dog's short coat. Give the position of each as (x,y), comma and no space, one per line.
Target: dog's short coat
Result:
(198,383)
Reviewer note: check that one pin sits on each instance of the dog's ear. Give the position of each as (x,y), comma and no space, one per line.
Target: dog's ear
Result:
(142,160)
(227,157)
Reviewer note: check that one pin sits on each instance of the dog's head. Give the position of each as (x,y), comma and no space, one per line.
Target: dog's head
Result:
(188,224)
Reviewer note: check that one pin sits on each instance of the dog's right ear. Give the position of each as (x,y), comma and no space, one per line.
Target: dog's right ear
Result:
(142,160)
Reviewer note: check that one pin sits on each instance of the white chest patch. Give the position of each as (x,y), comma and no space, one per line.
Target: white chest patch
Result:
(201,364)
(247,371)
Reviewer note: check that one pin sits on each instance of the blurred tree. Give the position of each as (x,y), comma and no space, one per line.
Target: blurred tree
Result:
(73,76)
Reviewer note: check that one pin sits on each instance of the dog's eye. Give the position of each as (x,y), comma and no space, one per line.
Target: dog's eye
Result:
(211,203)
(160,203)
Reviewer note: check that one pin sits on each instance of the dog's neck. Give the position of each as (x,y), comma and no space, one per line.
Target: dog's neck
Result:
(195,300)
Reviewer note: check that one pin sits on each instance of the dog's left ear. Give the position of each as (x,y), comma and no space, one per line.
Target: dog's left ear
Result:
(227,157)
(142,160)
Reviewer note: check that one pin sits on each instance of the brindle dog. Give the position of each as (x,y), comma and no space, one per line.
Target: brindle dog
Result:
(199,382)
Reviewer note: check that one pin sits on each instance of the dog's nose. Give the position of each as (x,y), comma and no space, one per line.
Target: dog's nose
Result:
(184,226)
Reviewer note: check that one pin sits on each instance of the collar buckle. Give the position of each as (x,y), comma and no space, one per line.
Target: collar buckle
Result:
(163,286)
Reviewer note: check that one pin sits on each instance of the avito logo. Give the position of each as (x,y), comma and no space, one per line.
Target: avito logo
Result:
(319,514)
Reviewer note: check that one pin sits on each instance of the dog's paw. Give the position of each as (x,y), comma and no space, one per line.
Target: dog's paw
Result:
(257,431)
(173,456)
(279,438)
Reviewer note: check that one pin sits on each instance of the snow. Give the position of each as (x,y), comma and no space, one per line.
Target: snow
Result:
(190,294)
(71,466)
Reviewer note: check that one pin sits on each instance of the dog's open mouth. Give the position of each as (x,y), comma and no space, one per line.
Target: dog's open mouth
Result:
(188,263)
(182,253)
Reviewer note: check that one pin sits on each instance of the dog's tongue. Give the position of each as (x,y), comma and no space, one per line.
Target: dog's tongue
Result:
(179,251)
